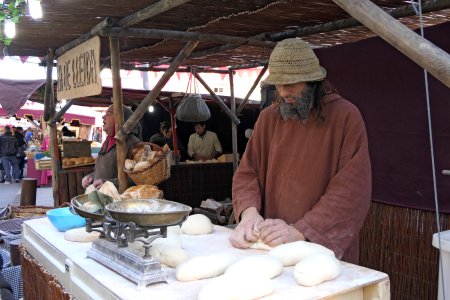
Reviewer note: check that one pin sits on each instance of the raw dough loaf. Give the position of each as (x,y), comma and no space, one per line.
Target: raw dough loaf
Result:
(197,224)
(202,267)
(168,255)
(291,253)
(259,244)
(233,287)
(80,235)
(143,191)
(316,268)
(266,266)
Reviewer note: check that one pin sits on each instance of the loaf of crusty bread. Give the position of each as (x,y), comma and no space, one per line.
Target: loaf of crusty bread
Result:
(144,191)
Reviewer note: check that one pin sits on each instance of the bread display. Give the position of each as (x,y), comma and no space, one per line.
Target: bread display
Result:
(77,161)
(144,191)
(145,157)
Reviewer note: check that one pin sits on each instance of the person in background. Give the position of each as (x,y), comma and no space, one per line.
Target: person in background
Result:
(305,173)
(67,132)
(164,136)
(106,163)
(29,135)
(9,149)
(203,144)
(22,146)
(45,146)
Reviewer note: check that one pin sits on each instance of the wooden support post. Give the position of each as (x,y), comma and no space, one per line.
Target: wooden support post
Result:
(56,158)
(255,84)
(118,112)
(62,111)
(173,123)
(150,98)
(421,51)
(233,125)
(48,87)
(218,100)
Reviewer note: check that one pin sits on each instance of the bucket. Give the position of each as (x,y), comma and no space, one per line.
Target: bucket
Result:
(444,264)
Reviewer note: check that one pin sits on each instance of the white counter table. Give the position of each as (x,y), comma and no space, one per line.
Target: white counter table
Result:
(84,278)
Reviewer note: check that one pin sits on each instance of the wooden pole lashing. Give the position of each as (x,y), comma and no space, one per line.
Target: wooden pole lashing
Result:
(118,111)
(150,98)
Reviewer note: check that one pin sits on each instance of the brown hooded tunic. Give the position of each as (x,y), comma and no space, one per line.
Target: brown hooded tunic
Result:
(313,175)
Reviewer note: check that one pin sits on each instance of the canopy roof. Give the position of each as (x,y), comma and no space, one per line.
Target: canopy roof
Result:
(317,21)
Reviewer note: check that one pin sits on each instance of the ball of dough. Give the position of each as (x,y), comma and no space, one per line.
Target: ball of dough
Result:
(197,224)
(202,267)
(266,266)
(168,255)
(228,287)
(316,268)
(291,253)
(80,235)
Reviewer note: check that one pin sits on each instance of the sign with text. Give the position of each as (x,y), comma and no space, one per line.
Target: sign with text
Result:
(79,71)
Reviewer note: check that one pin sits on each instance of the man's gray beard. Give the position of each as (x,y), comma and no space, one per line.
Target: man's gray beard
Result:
(300,109)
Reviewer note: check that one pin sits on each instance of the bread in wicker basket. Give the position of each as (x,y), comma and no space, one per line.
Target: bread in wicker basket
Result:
(157,171)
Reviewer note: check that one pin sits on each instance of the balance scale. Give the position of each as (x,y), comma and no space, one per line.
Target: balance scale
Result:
(112,251)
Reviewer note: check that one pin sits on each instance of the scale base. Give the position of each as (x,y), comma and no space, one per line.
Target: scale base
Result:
(127,262)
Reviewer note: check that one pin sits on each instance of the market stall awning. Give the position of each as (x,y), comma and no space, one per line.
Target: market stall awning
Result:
(36,114)
(14,93)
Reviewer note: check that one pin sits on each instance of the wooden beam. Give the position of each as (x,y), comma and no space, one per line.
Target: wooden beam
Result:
(255,84)
(326,27)
(48,87)
(399,12)
(185,36)
(61,112)
(150,98)
(179,70)
(150,11)
(424,53)
(218,100)
(234,144)
(118,112)
(83,38)
(34,124)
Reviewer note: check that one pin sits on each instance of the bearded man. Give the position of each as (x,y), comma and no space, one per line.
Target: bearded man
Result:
(305,173)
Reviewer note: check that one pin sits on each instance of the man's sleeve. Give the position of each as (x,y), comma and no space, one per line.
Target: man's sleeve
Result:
(336,220)
(246,186)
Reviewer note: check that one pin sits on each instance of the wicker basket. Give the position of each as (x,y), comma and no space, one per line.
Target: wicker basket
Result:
(155,173)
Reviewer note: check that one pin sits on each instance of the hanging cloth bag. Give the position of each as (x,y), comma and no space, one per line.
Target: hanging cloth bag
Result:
(192,107)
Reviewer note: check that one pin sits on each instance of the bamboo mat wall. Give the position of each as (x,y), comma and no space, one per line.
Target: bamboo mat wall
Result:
(398,241)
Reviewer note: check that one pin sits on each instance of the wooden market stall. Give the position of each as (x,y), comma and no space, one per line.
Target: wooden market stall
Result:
(241,34)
